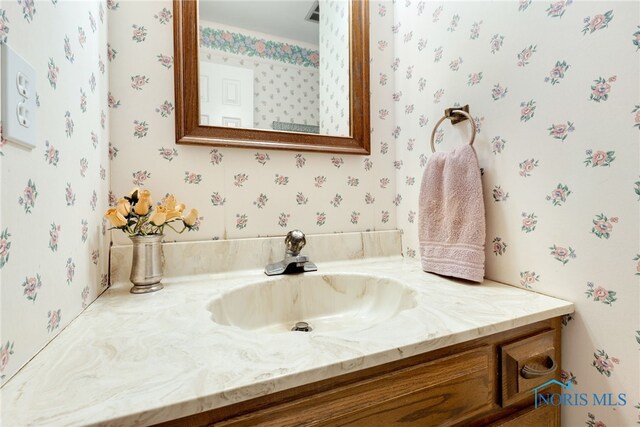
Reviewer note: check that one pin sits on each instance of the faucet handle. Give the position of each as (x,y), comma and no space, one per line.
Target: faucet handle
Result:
(294,242)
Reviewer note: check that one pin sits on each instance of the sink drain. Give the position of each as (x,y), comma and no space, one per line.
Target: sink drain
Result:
(302,327)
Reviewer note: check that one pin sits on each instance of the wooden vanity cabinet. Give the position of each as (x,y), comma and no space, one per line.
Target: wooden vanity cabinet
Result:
(476,383)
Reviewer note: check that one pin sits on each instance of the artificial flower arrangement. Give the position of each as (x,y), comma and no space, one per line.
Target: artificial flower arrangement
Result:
(135,215)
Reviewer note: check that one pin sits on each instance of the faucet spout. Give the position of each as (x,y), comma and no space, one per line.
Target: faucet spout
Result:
(293,262)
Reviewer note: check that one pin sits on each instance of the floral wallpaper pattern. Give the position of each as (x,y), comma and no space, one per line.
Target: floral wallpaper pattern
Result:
(53,245)
(240,193)
(244,44)
(555,86)
(552,85)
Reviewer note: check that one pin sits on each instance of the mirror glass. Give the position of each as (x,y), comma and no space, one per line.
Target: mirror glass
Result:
(275,65)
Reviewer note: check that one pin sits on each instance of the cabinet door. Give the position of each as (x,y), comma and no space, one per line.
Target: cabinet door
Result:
(438,393)
(543,416)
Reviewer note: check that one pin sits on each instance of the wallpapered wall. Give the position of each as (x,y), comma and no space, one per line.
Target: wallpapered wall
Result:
(282,91)
(240,193)
(554,89)
(53,247)
(334,67)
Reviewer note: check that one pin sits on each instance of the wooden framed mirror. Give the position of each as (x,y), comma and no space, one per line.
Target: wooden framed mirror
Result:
(192,126)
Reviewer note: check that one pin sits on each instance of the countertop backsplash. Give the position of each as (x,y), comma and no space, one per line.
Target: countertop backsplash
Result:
(219,256)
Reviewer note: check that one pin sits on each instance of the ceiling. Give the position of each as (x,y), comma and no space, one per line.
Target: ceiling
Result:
(283,18)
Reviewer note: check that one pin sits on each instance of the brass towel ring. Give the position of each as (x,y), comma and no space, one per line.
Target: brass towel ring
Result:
(451,116)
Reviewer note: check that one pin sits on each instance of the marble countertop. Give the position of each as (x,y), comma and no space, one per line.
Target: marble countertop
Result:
(143,359)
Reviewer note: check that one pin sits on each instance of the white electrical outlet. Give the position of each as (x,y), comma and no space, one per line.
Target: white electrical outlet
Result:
(19,118)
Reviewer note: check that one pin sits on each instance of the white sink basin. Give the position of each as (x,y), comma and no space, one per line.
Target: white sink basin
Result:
(334,302)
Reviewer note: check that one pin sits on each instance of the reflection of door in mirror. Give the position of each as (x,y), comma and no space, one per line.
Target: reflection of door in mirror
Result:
(226,95)
(297,52)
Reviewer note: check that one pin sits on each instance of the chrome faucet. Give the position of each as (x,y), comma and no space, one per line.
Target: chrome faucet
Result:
(293,262)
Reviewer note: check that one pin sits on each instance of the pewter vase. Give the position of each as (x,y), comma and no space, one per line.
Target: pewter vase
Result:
(146,266)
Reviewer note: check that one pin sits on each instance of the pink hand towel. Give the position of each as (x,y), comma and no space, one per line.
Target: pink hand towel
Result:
(451,215)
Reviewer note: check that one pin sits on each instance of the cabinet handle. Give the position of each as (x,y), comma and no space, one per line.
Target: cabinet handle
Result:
(529,372)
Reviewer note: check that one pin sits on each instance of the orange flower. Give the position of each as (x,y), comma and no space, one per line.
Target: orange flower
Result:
(115,217)
(172,209)
(169,202)
(144,202)
(191,219)
(123,207)
(158,218)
